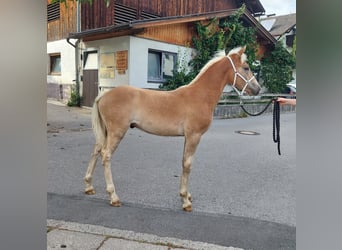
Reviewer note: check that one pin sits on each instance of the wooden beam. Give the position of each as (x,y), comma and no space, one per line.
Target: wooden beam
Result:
(112,34)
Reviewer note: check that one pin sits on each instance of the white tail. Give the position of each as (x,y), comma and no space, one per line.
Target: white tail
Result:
(99,128)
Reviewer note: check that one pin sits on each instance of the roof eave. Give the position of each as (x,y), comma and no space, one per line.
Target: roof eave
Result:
(142,24)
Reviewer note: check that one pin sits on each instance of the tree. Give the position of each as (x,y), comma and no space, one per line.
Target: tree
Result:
(276,69)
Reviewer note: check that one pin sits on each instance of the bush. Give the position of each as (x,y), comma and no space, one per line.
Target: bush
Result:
(75,99)
(276,69)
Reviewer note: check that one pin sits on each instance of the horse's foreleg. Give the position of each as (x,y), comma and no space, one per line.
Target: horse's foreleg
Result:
(190,146)
(112,143)
(89,189)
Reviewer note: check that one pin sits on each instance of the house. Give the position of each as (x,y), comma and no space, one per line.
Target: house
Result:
(283,28)
(61,20)
(132,42)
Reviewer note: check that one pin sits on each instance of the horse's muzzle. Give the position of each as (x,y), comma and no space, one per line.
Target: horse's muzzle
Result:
(253,89)
(256,90)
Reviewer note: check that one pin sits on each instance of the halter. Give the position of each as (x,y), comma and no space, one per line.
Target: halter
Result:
(276,110)
(240,93)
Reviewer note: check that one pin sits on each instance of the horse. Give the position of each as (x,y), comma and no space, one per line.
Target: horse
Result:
(186,111)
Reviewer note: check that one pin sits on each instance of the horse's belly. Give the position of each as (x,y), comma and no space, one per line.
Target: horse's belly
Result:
(160,128)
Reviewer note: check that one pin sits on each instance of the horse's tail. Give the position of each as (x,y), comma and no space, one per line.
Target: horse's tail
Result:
(99,127)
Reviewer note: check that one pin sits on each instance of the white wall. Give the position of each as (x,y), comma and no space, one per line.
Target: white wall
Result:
(138,59)
(136,74)
(67,53)
(111,45)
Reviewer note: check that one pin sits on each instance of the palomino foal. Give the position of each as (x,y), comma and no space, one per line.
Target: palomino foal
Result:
(186,111)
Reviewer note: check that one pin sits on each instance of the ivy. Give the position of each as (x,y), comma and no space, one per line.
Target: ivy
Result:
(276,69)
(224,34)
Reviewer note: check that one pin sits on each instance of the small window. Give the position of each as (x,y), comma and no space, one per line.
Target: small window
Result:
(160,65)
(55,64)
(290,40)
(90,60)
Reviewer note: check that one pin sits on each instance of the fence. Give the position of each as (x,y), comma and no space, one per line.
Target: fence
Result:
(229,105)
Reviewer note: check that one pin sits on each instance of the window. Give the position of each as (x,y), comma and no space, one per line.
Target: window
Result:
(55,64)
(90,60)
(290,40)
(160,65)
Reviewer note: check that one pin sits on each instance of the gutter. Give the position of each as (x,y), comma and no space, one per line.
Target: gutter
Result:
(101,30)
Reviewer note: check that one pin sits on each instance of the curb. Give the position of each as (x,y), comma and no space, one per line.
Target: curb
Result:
(126,238)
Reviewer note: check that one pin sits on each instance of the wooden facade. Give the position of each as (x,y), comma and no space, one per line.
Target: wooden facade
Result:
(63,22)
(179,34)
(179,7)
(97,14)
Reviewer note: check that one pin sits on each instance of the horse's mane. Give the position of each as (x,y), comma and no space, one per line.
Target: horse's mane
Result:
(218,55)
(235,51)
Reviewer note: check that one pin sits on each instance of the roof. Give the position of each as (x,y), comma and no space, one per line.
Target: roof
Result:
(254,6)
(136,26)
(279,25)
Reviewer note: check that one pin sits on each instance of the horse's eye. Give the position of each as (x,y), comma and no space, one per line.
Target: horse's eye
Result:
(246,68)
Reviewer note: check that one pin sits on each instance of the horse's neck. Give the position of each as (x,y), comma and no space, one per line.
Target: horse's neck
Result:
(210,84)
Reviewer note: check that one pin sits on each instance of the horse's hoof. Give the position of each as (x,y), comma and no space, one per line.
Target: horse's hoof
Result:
(115,203)
(90,192)
(187,208)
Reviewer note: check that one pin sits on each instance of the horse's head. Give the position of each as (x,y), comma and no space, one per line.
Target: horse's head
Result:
(242,79)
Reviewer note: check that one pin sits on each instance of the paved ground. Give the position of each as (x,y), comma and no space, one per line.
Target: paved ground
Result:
(239,183)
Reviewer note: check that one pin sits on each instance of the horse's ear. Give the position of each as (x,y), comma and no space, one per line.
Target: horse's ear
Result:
(242,50)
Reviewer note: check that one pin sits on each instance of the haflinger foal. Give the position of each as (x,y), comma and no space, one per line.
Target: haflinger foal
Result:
(186,111)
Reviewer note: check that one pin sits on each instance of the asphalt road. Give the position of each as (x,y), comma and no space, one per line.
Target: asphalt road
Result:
(243,191)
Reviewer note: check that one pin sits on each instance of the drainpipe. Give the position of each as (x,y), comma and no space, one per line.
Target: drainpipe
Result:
(76,67)
(78,24)
(78,28)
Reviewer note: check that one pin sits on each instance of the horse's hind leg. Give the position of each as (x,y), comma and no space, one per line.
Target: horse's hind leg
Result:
(113,140)
(190,146)
(89,189)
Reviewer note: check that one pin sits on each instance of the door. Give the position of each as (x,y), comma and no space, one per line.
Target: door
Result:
(90,87)
(90,78)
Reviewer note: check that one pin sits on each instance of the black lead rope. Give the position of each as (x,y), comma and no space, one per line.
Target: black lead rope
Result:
(276,119)
(276,124)
(262,111)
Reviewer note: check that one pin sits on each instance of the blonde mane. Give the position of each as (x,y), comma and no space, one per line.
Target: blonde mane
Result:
(236,51)
(218,55)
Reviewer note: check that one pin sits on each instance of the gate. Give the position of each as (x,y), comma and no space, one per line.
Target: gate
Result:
(90,86)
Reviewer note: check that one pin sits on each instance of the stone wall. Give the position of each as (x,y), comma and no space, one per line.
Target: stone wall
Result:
(235,111)
(60,92)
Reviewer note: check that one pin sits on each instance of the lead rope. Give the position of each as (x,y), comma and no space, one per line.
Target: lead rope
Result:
(276,108)
(276,124)
(276,119)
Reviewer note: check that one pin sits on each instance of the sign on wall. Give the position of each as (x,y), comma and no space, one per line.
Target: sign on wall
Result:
(122,61)
(107,65)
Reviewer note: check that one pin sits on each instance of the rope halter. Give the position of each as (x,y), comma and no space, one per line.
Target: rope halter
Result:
(236,73)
